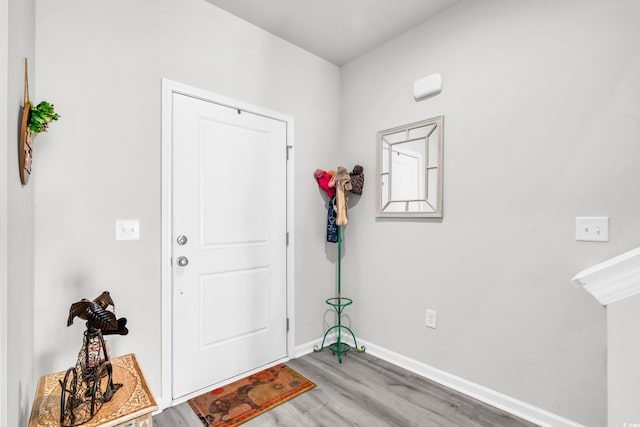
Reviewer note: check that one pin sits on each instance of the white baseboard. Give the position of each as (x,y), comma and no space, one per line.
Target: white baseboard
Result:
(496,399)
(305,348)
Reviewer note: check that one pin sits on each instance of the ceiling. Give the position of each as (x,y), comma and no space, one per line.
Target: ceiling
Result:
(337,30)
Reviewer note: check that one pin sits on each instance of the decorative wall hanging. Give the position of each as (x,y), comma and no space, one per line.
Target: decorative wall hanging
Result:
(33,121)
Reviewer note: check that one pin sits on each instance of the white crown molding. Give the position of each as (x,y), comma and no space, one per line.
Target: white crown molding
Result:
(491,397)
(614,279)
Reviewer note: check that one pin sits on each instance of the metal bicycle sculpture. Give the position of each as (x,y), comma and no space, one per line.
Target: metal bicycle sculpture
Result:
(89,384)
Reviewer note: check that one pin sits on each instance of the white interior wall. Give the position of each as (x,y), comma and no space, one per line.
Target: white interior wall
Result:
(17,234)
(541,125)
(101,160)
(623,327)
(531,142)
(4,186)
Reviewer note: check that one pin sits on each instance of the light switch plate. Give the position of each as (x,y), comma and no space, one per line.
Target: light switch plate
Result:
(592,228)
(127,229)
(431,318)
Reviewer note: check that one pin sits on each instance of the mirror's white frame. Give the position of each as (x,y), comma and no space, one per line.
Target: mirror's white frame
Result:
(431,205)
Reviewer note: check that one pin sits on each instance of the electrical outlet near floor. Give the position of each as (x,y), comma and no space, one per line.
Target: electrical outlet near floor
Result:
(431,319)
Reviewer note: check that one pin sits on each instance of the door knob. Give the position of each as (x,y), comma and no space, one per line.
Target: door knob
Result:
(182,239)
(182,261)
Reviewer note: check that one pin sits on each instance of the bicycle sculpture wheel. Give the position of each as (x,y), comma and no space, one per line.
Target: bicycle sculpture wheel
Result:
(89,384)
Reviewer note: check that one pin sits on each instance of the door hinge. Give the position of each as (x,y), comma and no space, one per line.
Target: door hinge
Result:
(287,238)
(287,324)
(289,147)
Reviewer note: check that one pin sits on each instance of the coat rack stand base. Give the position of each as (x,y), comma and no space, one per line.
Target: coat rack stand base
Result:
(339,347)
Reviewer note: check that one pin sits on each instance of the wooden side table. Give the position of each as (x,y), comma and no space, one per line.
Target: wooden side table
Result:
(131,406)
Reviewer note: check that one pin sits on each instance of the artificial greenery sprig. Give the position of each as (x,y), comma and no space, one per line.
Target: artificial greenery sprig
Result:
(40,117)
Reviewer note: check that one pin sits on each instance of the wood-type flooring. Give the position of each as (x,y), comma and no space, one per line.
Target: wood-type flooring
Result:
(363,391)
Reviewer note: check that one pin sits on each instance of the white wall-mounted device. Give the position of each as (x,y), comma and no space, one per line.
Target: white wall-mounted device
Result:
(127,229)
(592,229)
(427,86)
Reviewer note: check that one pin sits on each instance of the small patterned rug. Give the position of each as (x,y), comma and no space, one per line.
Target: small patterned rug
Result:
(247,398)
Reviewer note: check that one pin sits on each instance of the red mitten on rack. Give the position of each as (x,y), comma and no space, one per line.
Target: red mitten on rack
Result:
(323,178)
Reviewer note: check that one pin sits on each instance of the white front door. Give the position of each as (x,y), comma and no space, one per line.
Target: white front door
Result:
(229,288)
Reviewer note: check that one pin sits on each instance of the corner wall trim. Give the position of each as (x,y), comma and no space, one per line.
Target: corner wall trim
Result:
(614,279)
(496,399)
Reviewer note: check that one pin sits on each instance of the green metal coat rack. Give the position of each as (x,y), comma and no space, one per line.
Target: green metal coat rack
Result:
(339,347)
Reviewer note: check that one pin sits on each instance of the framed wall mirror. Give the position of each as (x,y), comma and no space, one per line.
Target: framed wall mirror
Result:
(410,160)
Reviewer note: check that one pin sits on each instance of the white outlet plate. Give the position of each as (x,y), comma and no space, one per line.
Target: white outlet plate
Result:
(592,228)
(127,229)
(431,318)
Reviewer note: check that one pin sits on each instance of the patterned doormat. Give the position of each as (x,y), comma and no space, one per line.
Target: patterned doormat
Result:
(247,398)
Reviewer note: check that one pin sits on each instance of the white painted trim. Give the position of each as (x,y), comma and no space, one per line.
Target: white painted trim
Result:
(496,399)
(291,258)
(4,146)
(169,88)
(164,401)
(614,279)
(306,348)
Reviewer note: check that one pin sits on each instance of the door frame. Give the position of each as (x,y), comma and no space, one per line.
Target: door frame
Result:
(169,88)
